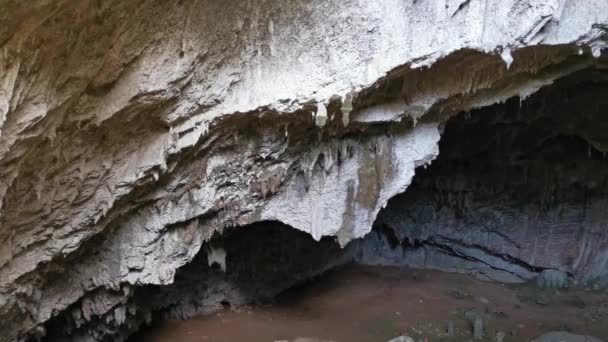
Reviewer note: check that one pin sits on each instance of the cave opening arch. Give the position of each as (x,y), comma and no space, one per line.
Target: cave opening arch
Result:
(518,188)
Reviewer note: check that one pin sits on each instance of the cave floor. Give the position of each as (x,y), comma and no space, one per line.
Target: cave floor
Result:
(357,303)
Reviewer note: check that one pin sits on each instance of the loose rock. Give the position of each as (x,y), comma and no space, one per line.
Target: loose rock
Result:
(562,336)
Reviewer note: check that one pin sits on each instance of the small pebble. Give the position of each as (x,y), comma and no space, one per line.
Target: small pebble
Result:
(542,300)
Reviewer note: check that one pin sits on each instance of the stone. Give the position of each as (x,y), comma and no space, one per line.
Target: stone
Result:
(472,315)
(402,338)
(450,330)
(542,299)
(553,279)
(500,336)
(562,336)
(478,332)
(217,256)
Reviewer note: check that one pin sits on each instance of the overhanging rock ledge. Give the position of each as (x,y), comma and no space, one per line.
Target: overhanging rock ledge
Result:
(132,131)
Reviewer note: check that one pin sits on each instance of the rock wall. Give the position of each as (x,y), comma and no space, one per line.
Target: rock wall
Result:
(257,262)
(132,131)
(518,188)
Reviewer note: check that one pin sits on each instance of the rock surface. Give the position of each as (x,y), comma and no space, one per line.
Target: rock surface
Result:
(554,279)
(518,192)
(402,339)
(133,131)
(562,336)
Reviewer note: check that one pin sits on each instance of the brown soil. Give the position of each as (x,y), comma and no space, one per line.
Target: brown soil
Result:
(370,304)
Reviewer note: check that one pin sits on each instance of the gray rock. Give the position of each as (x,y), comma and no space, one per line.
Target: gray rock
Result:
(500,336)
(308,339)
(402,339)
(562,336)
(478,328)
(553,279)
(450,330)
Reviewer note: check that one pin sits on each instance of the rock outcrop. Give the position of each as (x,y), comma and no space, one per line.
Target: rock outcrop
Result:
(132,132)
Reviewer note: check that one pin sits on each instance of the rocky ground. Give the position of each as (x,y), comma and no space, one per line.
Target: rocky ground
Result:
(369,304)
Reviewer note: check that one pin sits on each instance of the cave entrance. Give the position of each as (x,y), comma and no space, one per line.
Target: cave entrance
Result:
(518,189)
(517,196)
(243,265)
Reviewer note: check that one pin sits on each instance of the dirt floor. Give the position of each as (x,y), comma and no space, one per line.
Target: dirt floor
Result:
(371,304)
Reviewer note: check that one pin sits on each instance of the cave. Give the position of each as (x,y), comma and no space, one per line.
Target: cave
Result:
(251,264)
(517,195)
(355,170)
(518,189)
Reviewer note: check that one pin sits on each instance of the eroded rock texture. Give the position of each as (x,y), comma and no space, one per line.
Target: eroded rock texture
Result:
(518,189)
(259,261)
(133,131)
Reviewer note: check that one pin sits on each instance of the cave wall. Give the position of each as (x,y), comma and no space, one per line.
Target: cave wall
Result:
(244,265)
(133,131)
(518,188)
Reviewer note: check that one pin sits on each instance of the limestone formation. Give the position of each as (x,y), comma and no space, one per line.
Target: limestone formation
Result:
(518,193)
(134,134)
